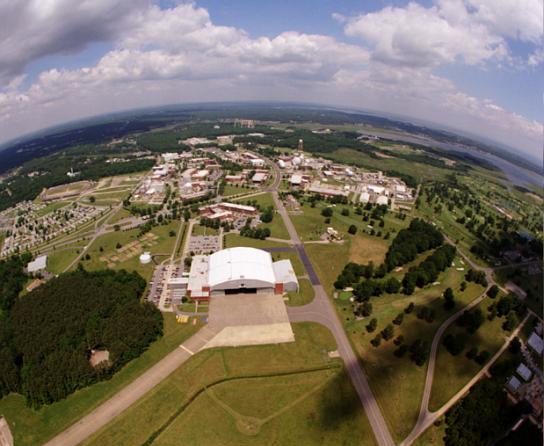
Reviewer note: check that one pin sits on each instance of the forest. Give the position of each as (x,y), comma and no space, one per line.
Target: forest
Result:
(47,337)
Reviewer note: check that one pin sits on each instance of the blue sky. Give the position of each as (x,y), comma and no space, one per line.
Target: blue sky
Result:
(475,65)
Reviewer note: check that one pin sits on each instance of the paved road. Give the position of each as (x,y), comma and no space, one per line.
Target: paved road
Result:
(426,418)
(122,400)
(425,421)
(321,310)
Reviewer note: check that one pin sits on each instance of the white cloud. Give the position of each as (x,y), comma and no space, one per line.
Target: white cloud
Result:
(178,54)
(468,31)
(424,37)
(31,29)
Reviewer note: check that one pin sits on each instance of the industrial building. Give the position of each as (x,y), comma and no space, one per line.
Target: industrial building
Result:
(37,265)
(239,270)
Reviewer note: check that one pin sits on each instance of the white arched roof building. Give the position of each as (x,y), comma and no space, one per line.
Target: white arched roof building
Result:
(240,270)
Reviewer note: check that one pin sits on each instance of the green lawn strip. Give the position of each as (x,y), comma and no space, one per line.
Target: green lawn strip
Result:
(298,267)
(232,240)
(328,261)
(58,260)
(51,207)
(318,416)
(453,372)
(34,427)
(120,215)
(203,230)
(277,227)
(234,190)
(304,296)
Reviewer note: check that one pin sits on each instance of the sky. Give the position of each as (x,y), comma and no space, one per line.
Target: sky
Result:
(472,65)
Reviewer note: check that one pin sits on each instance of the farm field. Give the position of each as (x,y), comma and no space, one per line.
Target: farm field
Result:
(218,395)
(33,427)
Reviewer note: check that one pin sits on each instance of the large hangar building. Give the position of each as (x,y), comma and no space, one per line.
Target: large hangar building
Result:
(239,270)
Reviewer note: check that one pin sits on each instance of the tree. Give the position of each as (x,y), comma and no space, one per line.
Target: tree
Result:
(352,229)
(399,340)
(388,332)
(401,351)
(116,228)
(92,199)
(372,325)
(367,309)
(327,212)
(449,302)
(419,352)
(463,286)
(345,212)
(172,233)
(515,346)
(483,357)
(493,291)
(511,322)
(409,308)
(118,245)
(472,353)
(392,285)
(376,341)
(454,344)
(398,320)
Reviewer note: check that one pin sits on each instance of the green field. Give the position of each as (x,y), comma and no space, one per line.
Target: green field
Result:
(396,383)
(232,240)
(59,259)
(52,207)
(34,427)
(297,395)
(203,230)
(453,372)
(298,267)
(304,296)
(233,190)
(163,245)
(120,215)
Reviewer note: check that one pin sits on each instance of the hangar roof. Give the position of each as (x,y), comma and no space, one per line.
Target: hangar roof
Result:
(240,263)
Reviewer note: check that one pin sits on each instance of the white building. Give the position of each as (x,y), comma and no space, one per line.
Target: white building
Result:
(296,179)
(524,372)
(37,265)
(239,270)
(259,177)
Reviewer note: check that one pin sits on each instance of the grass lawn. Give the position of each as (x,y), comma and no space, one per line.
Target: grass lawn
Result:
(311,224)
(263,200)
(243,399)
(328,261)
(304,296)
(52,207)
(433,436)
(453,372)
(59,260)
(298,267)
(277,227)
(120,215)
(34,427)
(232,240)
(366,248)
(396,383)
(233,190)
(203,230)
(162,244)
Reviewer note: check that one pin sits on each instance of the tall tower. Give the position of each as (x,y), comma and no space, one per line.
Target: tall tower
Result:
(301,145)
